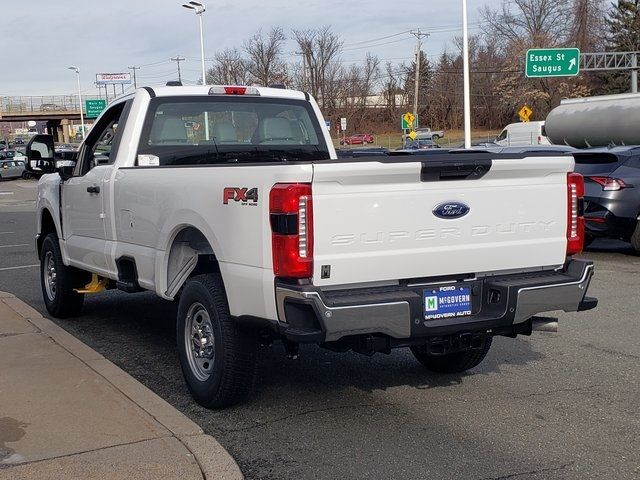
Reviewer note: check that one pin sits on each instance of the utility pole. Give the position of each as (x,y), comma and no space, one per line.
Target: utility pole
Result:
(135,83)
(419,35)
(178,59)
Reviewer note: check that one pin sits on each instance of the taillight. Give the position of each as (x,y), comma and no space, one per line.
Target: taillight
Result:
(575,214)
(291,216)
(609,184)
(233,90)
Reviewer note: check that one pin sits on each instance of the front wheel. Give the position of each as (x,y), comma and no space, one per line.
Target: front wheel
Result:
(218,360)
(452,362)
(58,281)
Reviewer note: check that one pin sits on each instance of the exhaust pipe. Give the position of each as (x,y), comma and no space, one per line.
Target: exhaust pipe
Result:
(544,324)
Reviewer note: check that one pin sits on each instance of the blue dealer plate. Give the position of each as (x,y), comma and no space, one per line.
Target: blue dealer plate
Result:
(446,302)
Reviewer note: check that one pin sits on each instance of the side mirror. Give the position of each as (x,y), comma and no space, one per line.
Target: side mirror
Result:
(41,150)
(65,169)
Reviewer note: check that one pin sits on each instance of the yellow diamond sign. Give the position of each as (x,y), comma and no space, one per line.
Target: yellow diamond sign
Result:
(408,119)
(412,134)
(525,113)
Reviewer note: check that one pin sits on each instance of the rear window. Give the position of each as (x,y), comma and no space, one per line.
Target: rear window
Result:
(598,162)
(231,129)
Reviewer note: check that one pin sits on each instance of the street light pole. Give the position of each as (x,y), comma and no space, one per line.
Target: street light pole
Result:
(465,59)
(77,70)
(199,9)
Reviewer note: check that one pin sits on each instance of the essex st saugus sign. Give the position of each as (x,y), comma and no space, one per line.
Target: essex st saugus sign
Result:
(553,62)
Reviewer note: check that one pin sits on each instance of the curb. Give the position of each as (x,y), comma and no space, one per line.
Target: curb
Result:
(214,461)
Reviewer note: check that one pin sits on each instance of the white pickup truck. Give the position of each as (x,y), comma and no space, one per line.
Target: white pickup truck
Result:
(231,201)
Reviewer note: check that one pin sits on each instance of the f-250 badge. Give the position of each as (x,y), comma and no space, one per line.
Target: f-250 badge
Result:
(244,195)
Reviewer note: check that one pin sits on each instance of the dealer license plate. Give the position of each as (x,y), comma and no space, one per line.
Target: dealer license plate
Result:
(447,302)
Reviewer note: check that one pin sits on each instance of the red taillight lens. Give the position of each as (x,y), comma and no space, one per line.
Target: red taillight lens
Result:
(291,212)
(235,90)
(575,214)
(609,184)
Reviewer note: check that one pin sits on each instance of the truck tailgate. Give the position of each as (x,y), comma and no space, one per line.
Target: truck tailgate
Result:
(375,221)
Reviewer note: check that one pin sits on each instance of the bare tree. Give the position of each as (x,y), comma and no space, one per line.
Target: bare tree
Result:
(229,68)
(319,48)
(265,56)
(528,23)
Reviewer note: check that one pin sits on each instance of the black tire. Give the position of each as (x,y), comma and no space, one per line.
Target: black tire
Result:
(26,175)
(635,238)
(229,376)
(452,362)
(435,137)
(61,300)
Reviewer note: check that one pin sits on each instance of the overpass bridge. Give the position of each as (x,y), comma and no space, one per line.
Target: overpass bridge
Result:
(59,111)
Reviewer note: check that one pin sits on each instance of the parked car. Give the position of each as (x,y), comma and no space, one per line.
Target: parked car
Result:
(522,134)
(11,169)
(612,192)
(18,141)
(357,139)
(420,144)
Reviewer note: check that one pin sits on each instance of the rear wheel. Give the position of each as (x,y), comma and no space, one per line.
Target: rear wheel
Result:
(58,281)
(218,360)
(452,362)
(26,175)
(635,238)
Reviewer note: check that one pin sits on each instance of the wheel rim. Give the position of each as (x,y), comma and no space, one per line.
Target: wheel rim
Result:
(50,276)
(199,341)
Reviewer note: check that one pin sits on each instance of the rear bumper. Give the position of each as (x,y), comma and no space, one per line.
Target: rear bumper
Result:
(310,315)
(611,218)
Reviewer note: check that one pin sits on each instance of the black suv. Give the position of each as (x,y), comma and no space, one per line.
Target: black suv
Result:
(612,192)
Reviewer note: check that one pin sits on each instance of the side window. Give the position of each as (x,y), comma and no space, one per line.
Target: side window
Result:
(100,148)
(502,136)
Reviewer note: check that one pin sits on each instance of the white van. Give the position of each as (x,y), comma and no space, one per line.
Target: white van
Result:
(523,134)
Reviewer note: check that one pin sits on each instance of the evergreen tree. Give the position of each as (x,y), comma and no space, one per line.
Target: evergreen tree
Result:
(623,35)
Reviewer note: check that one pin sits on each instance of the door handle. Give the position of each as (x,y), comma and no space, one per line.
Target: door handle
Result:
(93,189)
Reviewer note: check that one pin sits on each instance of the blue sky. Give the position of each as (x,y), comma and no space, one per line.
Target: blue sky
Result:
(41,38)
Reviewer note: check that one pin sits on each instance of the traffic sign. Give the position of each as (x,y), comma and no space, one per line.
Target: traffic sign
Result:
(553,62)
(412,135)
(525,113)
(409,121)
(343,124)
(93,108)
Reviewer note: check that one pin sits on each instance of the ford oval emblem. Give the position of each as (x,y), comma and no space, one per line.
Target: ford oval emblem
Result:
(451,210)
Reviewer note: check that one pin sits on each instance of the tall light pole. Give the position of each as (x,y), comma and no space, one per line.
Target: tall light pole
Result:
(77,70)
(465,59)
(200,8)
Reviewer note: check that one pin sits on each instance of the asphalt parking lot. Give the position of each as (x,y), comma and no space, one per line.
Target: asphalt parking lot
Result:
(563,405)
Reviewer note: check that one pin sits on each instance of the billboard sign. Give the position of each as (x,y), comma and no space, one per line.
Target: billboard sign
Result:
(113,78)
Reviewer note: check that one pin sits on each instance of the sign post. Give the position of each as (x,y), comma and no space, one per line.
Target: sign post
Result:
(553,62)
(93,108)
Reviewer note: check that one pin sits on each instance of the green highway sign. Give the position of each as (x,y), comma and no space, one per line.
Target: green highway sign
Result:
(93,108)
(553,62)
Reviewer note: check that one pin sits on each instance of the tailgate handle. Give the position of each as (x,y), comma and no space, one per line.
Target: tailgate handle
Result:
(454,170)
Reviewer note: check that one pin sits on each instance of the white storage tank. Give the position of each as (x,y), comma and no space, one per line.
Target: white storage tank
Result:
(596,121)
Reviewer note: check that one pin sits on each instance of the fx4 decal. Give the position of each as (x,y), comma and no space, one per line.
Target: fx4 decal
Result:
(247,196)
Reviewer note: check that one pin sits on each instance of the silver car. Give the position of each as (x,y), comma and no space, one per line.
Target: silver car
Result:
(12,169)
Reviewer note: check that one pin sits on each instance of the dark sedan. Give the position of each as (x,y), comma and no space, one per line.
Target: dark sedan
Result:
(612,192)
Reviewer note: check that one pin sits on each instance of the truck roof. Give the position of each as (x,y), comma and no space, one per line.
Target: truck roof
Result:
(204,90)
